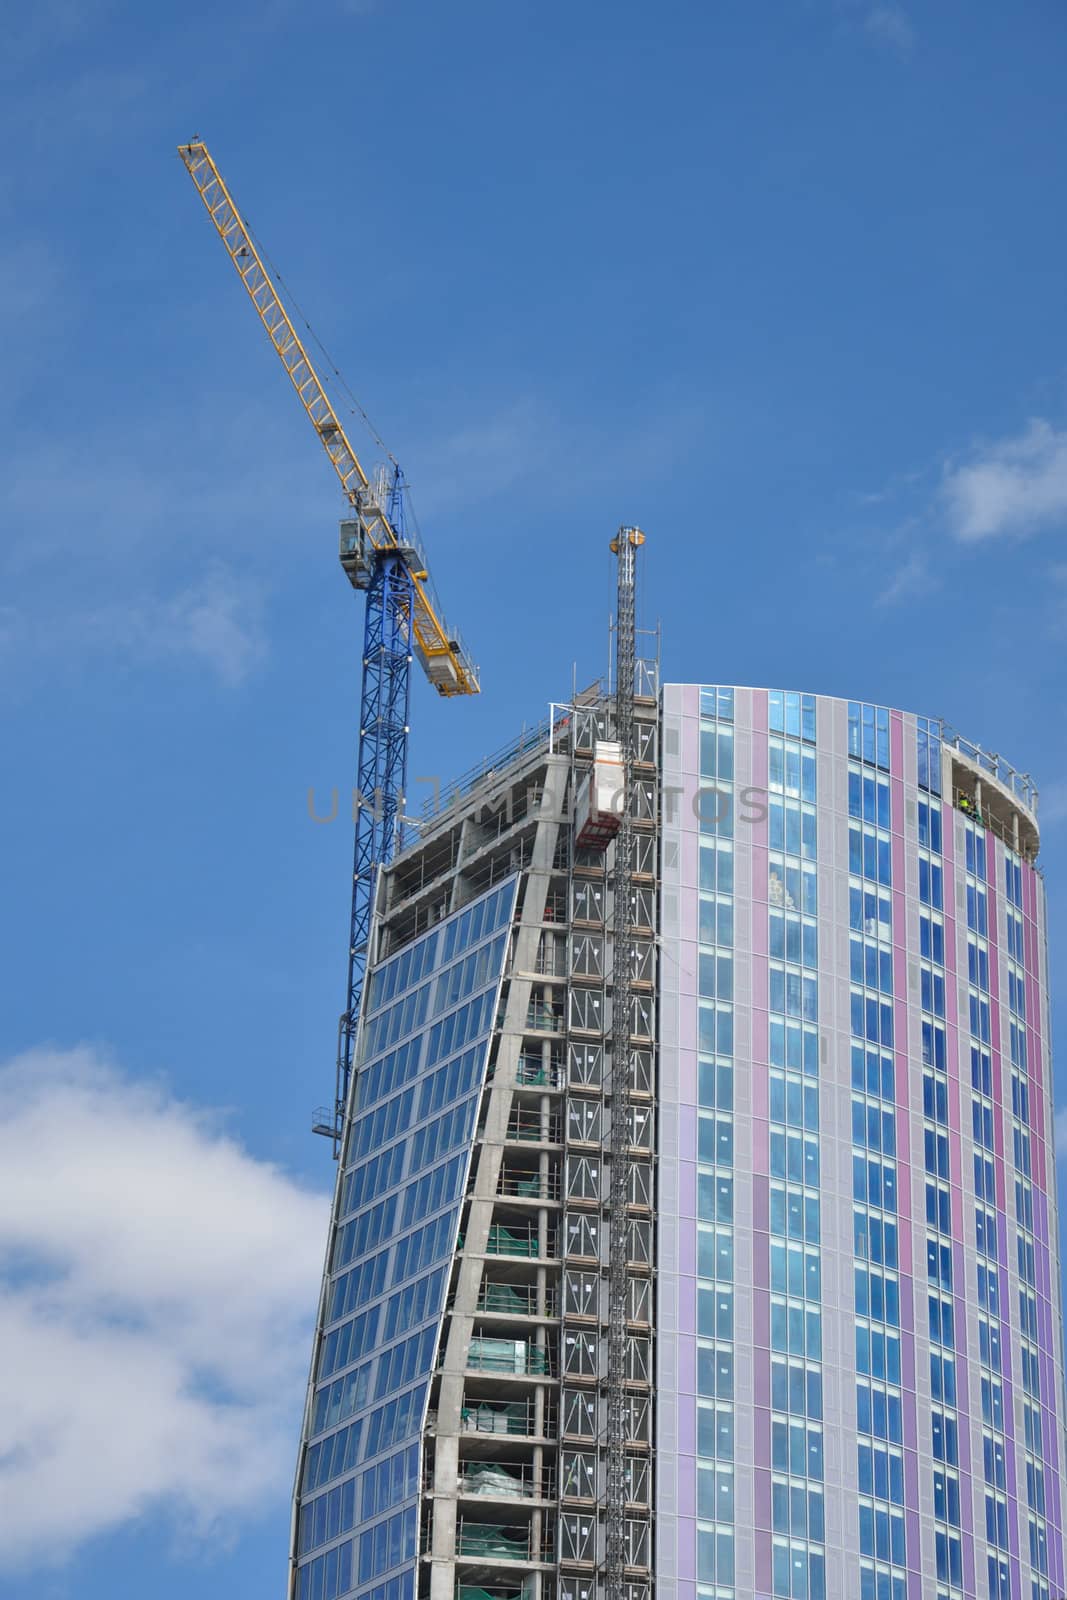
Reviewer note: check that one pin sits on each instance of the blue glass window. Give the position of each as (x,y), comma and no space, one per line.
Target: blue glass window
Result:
(717,702)
(929,754)
(791,713)
(424,1052)
(868,734)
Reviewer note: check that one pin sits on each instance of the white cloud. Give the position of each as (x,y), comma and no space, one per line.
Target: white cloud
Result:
(885,22)
(911,577)
(216,622)
(156,1290)
(140,505)
(890,25)
(1015,486)
(506,450)
(142,579)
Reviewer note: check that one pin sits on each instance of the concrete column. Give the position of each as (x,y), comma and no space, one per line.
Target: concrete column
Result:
(482,1203)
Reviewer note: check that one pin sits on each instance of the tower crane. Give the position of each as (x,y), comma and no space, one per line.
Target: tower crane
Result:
(403,615)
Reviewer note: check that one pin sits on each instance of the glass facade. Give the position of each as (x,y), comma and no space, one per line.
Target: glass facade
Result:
(715,1430)
(876,1167)
(423,1052)
(855,926)
(793,1361)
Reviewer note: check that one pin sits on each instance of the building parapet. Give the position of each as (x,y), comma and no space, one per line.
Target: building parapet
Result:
(1019,784)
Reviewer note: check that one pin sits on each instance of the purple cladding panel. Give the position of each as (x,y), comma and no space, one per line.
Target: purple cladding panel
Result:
(905,1092)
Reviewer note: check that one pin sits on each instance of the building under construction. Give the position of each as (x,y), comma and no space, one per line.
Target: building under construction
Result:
(695,1228)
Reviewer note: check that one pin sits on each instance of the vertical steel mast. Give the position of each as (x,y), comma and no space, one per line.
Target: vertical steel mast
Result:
(381,770)
(625,546)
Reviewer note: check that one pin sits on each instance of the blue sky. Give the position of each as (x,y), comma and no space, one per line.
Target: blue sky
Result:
(782,282)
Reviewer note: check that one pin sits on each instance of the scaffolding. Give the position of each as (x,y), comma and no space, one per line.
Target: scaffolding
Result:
(607,1256)
(625,547)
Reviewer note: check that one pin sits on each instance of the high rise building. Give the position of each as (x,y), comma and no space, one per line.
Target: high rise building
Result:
(773,1309)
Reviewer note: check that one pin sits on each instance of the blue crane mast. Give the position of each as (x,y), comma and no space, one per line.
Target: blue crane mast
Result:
(381,764)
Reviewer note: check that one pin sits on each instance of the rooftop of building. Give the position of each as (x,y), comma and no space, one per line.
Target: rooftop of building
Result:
(979,782)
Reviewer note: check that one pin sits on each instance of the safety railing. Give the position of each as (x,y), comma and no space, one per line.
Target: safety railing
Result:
(556,908)
(515,1299)
(544,1016)
(530,1126)
(467,1591)
(509,1357)
(519,1184)
(531,1418)
(986,817)
(535,1072)
(530,740)
(490,1542)
(510,1480)
(520,1240)
(551,963)
(1020,783)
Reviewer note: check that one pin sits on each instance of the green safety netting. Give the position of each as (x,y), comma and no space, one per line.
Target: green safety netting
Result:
(529,1186)
(466,1591)
(486,1539)
(485,1477)
(496,1417)
(505,1355)
(502,1297)
(502,1242)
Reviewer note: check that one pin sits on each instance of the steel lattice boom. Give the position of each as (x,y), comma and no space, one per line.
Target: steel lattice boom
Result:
(403,616)
(442,653)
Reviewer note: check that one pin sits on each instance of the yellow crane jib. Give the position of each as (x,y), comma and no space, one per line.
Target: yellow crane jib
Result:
(440,651)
